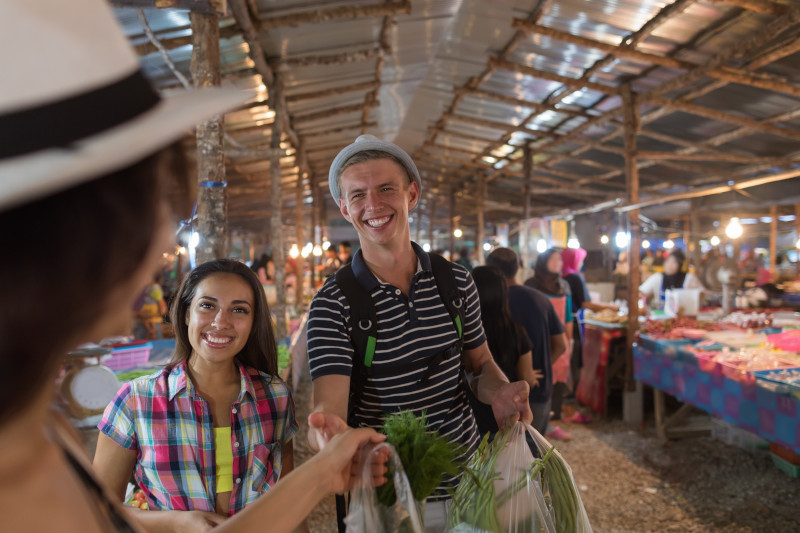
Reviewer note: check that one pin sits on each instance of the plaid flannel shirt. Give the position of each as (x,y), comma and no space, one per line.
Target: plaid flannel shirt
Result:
(170,427)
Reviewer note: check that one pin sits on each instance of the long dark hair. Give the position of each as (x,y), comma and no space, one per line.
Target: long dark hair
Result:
(261,350)
(544,280)
(96,235)
(503,333)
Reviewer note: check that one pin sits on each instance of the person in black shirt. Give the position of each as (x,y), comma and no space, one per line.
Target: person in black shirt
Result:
(533,310)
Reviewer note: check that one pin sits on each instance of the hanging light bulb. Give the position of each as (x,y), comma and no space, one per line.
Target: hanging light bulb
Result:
(669,244)
(645,244)
(307,249)
(317,251)
(487,247)
(621,239)
(541,246)
(426,247)
(734,229)
(715,241)
(604,239)
(457,233)
(326,245)
(797,244)
(294,252)
(572,241)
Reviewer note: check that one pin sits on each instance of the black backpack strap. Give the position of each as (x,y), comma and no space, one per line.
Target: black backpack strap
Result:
(448,292)
(364,336)
(364,330)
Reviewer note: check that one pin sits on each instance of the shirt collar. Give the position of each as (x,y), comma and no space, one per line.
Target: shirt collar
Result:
(178,381)
(370,281)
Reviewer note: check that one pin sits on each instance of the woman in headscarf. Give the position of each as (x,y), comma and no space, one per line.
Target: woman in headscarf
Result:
(547,279)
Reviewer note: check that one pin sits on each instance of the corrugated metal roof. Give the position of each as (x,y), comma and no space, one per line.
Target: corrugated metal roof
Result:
(443,96)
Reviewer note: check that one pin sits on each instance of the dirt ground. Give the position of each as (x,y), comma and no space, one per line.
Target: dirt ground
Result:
(630,482)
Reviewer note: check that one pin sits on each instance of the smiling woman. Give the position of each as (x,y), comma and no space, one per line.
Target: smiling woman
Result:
(212,431)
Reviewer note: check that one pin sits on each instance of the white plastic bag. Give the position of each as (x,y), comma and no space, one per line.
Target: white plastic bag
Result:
(367,515)
(506,489)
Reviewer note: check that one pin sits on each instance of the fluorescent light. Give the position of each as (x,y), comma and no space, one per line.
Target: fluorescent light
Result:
(669,244)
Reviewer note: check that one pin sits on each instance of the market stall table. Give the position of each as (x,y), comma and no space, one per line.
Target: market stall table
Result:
(670,367)
(599,362)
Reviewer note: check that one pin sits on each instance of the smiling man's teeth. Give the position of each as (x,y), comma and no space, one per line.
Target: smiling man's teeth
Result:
(377,222)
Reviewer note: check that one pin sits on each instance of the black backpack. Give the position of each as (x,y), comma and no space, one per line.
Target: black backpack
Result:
(364,338)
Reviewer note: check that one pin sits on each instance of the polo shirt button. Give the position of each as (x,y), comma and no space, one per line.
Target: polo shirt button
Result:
(411,304)
(233,410)
(238,480)
(397,292)
(235,444)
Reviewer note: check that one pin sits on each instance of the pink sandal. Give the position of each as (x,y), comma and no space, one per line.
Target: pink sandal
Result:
(578,418)
(558,434)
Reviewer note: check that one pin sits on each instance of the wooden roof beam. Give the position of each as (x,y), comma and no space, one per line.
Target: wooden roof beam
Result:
(353,12)
(329,59)
(316,95)
(722,158)
(511,66)
(489,95)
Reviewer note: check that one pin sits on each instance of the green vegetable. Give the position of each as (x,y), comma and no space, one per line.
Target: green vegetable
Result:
(563,493)
(475,501)
(426,457)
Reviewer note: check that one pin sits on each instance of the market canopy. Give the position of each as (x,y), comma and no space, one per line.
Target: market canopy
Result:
(484,94)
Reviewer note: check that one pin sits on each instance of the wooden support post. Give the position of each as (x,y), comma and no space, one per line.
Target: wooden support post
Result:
(418,221)
(694,226)
(481,233)
(797,236)
(312,238)
(431,218)
(275,224)
(298,224)
(773,238)
(634,247)
(451,215)
(524,234)
(212,191)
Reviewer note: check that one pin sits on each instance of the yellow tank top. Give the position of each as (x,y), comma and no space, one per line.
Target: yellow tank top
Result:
(224,458)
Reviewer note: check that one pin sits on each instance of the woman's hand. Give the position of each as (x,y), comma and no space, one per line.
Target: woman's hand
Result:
(341,461)
(195,521)
(536,376)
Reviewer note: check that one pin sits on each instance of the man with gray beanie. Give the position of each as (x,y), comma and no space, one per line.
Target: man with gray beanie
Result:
(424,340)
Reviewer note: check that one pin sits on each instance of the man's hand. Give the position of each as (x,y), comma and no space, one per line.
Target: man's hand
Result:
(510,404)
(323,427)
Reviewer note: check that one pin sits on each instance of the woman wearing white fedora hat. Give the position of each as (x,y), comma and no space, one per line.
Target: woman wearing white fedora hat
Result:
(89,171)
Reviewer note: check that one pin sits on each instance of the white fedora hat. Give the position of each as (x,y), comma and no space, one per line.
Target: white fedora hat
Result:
(74,104)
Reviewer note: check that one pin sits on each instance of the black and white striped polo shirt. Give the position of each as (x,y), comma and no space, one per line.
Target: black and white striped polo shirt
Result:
(409,329)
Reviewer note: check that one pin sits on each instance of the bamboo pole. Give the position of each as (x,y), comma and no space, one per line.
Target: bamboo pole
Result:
(481,233)
(315,200)
(331,59)
(212,190)
(634,247)
(694,226)
(512,66)
(524,230)
(797,236)
(276,226)
(309,117)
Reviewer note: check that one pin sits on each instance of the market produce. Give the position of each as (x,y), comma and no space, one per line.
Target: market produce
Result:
(666,329)
(425,456)
(608,315)
(505,489)
(138,500)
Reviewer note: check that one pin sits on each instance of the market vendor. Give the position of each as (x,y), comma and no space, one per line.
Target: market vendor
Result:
(91,151)
(419,352)
(674,277)
(222,386)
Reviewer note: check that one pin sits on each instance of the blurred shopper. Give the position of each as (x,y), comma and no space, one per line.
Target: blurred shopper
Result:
(533,310)
(345,253)
(547,279)
(465,257)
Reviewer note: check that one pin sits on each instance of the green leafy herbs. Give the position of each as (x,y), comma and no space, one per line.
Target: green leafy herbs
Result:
(426,457)
(476,501)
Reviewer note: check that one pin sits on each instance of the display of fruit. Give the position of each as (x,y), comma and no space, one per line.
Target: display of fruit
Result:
(139,501)
(666,329)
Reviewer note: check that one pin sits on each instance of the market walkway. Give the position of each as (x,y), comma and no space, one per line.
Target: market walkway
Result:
(631,483)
